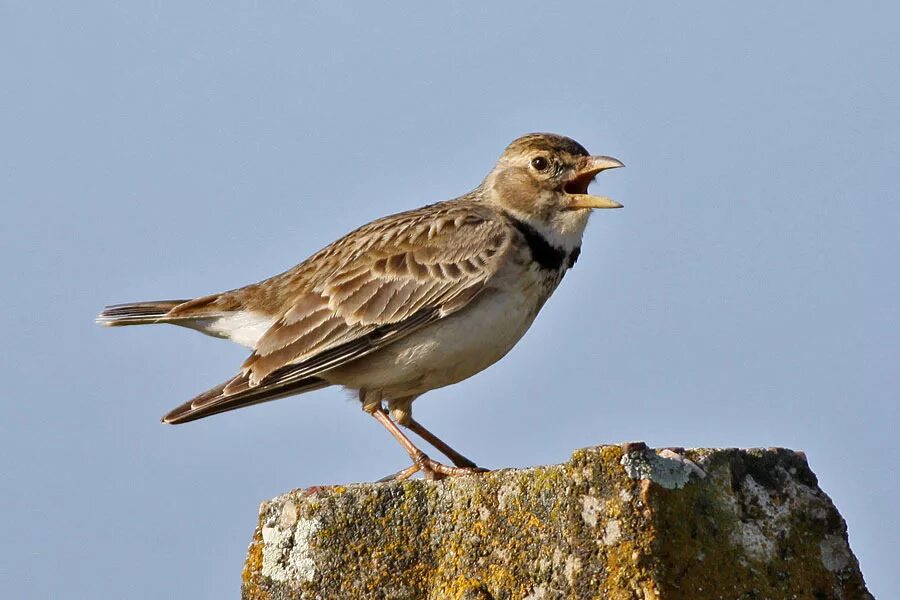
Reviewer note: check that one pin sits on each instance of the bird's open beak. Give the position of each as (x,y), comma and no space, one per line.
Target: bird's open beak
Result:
(576,188)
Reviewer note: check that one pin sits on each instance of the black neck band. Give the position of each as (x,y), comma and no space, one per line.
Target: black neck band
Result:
(543,252)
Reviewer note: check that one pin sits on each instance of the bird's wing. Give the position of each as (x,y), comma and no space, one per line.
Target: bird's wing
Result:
(386,282)
(369,289)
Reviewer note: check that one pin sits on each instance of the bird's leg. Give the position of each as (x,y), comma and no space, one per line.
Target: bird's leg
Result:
(421,462)
(401,411)
(458,459)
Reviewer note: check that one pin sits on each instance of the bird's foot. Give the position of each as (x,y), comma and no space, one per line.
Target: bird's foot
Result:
(435,471)
(462,462)
(432,470)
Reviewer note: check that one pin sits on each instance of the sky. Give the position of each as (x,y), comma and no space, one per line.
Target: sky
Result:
(745,296)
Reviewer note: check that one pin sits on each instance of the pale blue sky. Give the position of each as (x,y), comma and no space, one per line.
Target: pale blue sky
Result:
(745,296)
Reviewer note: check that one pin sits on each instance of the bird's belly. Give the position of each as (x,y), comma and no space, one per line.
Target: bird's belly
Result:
(445,352)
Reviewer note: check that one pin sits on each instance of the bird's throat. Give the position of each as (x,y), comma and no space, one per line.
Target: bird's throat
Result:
(545,254)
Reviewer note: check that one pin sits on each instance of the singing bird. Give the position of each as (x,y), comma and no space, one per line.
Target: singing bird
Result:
(405,304)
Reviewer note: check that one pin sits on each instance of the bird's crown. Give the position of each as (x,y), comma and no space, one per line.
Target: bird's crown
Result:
(545,142)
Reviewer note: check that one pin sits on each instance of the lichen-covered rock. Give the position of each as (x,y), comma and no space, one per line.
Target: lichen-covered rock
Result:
(614,523)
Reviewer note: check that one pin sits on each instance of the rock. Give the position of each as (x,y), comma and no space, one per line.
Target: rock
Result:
(614,523)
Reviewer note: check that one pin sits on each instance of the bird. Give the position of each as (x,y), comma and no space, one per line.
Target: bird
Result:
(405,304)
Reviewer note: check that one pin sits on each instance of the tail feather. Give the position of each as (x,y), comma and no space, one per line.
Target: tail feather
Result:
(137,313)
(216,400)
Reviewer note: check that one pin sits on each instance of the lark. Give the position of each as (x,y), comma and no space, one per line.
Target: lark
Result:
(405,304)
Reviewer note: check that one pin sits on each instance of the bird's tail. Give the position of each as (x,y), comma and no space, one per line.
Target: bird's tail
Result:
(238,395)
(137,313)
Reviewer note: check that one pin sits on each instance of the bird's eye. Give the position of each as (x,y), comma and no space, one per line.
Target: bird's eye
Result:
(540,163)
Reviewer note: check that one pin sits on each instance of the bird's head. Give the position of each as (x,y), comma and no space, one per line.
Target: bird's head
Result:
(543,178)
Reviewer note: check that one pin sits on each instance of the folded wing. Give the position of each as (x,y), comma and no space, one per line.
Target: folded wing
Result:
(371,288)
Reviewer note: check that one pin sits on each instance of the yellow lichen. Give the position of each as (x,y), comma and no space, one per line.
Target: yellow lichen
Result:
(252,568)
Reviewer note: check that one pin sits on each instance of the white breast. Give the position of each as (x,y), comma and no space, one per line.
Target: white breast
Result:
(448,351)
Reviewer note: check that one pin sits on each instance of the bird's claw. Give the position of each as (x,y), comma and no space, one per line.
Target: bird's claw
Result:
(432,470)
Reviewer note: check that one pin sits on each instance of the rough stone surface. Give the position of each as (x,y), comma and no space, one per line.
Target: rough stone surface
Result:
(614,523)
